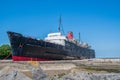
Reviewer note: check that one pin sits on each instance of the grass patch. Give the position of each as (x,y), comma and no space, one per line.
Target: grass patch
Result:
(101,69)
(60,75)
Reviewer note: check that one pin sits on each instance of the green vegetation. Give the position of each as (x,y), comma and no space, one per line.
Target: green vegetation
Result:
(4,50)
(60,75)
(102,69)
(97,68)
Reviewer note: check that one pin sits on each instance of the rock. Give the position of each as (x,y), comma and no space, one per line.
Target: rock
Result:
(38,74)
(12,74)
(91,76)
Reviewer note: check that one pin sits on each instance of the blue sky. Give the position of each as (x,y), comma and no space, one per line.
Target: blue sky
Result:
(98,21)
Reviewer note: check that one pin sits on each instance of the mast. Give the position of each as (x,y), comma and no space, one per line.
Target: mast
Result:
(60,27)
(59,24)
(79,37)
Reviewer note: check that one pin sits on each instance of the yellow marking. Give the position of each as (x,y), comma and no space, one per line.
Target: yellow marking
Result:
(34,63)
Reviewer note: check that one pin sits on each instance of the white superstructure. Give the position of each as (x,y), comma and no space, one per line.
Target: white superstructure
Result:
(56,38)
(60,39)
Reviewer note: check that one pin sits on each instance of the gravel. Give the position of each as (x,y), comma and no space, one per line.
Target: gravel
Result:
(12,74)
(9,73)
(91,76)
(38,74)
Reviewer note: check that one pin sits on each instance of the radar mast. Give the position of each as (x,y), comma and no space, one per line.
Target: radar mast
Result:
(60,27)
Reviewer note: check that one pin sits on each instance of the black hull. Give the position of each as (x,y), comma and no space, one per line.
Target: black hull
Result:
(38,49)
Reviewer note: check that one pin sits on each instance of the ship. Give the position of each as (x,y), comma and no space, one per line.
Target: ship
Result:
(55,46)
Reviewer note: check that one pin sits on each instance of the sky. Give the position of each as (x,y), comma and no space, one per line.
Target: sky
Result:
(98,21)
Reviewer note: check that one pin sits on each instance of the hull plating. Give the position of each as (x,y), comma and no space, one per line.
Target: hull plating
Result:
(21,58)
(26,48)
